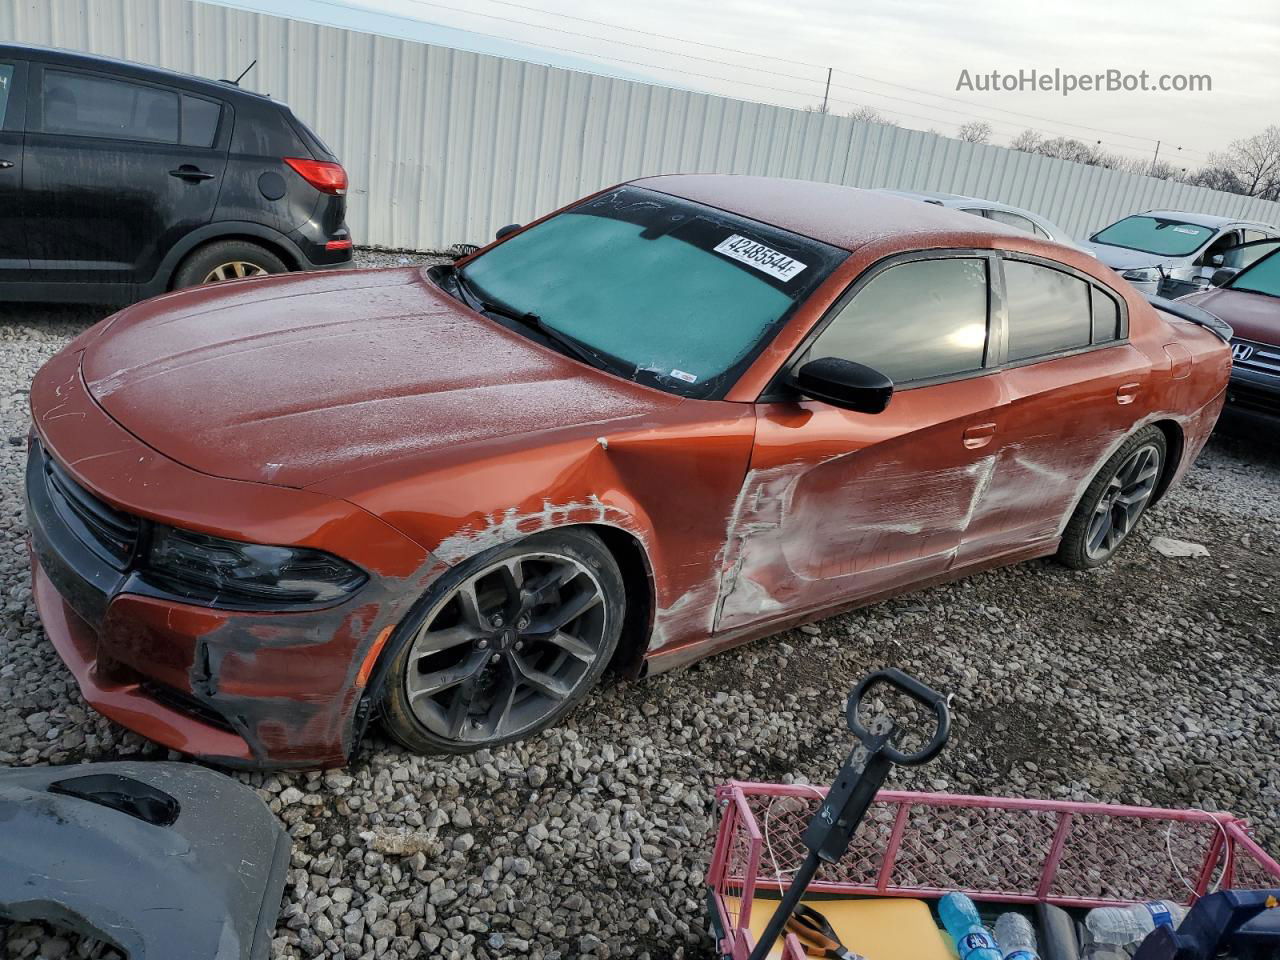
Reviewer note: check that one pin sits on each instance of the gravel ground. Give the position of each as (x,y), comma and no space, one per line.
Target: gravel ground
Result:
(1150,681)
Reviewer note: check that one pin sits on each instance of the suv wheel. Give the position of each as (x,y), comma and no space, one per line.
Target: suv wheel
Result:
(506,644)
(226,260)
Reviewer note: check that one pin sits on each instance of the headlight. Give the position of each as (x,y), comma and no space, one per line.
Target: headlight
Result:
(227,573)
(1143,274)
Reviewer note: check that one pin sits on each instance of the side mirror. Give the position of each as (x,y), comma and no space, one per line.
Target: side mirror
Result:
(1221,276)
(1216,260)
(503,231)
(845,384)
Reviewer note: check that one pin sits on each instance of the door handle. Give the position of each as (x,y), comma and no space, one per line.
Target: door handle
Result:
(190,173)
(5,164)
(979,435)
(1127,393)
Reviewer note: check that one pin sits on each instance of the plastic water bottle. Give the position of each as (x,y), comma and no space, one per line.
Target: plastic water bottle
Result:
(973,941)
(1016,937)
(1131,924)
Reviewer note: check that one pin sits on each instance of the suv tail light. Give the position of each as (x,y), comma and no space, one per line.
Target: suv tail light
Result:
(324,176)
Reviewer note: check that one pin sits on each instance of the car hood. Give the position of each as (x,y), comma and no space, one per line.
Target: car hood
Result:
(1121,258)
(1253,316)
(296,379)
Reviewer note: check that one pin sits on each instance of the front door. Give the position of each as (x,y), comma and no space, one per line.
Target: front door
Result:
(842,506)
(110,184)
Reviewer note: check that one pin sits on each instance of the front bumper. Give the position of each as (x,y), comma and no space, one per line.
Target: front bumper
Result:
(257,689)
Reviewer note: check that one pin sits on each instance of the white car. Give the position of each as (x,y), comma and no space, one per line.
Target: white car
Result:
(1010,216)
(1172,252)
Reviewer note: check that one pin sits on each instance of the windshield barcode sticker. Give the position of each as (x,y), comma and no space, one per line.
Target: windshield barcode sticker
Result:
(765,259)
(686,377)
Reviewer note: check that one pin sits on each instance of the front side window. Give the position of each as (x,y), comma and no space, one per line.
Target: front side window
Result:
(1263,277)
(914,321)
(1241,256)
(6,84)
(657,289)
(1012,220)
(1159,235)
(1049,310)
(90,106)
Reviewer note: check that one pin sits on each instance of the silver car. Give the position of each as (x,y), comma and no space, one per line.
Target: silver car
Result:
(1170,252)
(1004,213)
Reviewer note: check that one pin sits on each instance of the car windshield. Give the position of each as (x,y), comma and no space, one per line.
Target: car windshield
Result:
(1263,277)
(1158,235)
(661,290)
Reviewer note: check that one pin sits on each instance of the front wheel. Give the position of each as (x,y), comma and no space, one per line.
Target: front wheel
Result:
(506,644)
(1113,503)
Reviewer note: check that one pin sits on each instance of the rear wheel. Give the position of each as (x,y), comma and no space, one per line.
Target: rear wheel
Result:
(507,644)
(226,260)
(1114,502)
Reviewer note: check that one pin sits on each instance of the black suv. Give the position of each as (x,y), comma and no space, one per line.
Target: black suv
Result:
(119,181)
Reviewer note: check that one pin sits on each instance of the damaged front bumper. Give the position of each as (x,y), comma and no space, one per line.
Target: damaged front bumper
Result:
(161,860)
(262,689)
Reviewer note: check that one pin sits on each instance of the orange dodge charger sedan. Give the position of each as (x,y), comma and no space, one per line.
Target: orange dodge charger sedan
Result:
(679,414)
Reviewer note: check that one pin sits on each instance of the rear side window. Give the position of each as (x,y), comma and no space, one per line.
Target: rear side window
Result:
(1049,310)
(91,106)
(199,121)
(6,84)
(1012,220)
(1106,316)
(915,321)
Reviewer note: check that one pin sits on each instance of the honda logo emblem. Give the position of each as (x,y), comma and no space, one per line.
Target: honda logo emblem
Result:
(1241,351)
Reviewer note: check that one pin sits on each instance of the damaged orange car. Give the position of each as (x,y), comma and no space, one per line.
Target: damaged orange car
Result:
(682,413)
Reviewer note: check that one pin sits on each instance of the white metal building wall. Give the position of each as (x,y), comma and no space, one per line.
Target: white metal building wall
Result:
(443,145)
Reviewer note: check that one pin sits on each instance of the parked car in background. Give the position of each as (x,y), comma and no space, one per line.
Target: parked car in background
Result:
(680,414)
(1169,252)
(1004,213)
(1250,302)
(120,181)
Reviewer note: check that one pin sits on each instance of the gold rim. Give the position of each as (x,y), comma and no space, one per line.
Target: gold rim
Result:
(234,270)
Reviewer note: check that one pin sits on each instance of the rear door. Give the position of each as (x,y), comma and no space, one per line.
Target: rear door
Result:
(13,231)
(1074,388)
(840,505)
(117,170)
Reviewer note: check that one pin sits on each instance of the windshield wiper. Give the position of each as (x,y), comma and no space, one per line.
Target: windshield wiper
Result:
(567,343)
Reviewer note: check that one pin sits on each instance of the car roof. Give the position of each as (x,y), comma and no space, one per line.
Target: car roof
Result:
(842,216)
(1199,219)
(140,71)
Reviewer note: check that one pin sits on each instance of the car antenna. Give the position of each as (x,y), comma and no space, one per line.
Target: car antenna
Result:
(243,73)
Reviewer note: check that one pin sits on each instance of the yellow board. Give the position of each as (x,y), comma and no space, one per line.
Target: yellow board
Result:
(888,929)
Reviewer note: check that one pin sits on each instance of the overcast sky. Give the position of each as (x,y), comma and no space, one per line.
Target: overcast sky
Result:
(877,44)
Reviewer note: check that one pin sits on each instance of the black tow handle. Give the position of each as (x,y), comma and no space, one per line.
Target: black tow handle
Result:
(918,692)
(864,771)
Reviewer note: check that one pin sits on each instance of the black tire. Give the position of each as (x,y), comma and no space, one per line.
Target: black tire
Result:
(204,263)
(1115,501)
(483,661)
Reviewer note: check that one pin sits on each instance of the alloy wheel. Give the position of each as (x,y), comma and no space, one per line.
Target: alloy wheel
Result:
(506,647)
(234,270)
(1123,500)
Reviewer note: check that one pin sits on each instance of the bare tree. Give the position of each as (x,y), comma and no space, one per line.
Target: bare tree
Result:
(871,115)
(1216,178)
(1028,141)
(974,131)
(1254,162)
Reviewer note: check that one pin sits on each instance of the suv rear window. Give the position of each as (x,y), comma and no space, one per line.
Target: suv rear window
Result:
(86,105)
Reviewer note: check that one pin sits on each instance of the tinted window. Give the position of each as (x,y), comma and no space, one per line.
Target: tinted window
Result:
(1012,220)
(914,321)
(1159,235)
(1049,310)
(199,121)
(1106,316)
(90,106)
(1262,277)
(6,82)
(661,290)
